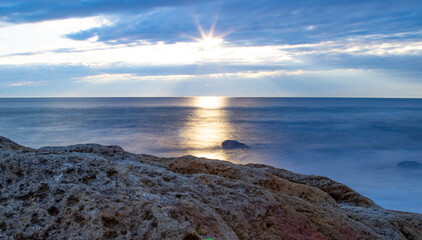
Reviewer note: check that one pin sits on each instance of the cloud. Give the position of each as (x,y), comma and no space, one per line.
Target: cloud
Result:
(33,38)
(262,23)
(359,46)
(196,80)
(157,54)
(109,78)
(21,84)
(242,22)
(296,47)
(20,11)
(300,55)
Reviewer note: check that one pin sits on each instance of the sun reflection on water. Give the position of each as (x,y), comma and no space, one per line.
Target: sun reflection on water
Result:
(210,102)
(207,128)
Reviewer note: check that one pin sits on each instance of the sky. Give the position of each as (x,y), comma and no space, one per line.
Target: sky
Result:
(159,48)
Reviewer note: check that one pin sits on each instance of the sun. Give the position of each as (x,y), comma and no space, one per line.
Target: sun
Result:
(210,41)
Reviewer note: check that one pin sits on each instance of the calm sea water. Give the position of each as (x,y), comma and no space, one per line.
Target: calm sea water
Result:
(355,141)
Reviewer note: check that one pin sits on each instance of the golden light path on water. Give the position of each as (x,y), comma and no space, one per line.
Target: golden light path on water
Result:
(207,128)
(210,102)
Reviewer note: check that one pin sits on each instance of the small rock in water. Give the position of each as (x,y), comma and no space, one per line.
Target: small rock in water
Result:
(233,144)
(409,164)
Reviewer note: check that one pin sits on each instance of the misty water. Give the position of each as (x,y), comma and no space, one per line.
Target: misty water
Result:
(354,141)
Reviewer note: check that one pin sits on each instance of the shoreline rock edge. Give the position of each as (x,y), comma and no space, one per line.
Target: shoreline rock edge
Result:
(90,191)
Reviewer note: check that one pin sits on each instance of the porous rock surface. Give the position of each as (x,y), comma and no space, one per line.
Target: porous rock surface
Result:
(102,192)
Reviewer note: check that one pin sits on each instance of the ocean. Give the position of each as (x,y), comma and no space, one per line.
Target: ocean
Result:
(355,141)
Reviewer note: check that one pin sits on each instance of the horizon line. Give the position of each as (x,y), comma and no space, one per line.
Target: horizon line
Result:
(349,97)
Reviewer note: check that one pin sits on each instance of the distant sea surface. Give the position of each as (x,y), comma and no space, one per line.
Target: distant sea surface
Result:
(354,141)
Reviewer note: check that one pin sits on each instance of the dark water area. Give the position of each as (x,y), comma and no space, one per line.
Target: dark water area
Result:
(358,142)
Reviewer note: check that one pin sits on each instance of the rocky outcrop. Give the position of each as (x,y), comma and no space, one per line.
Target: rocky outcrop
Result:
(102,192)
(233,144)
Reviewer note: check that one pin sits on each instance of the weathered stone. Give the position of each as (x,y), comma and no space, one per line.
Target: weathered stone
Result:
(102,192)
(233,144)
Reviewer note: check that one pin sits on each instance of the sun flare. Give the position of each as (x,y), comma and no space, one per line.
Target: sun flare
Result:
(208,39)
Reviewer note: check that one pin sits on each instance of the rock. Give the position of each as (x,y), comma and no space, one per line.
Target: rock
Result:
(339,192)
(102,192)
(9,144)
(409,164)
(233,144)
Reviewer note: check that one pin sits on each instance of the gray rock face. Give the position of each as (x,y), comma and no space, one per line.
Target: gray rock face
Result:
(102,192)
(233,144)
(409,164)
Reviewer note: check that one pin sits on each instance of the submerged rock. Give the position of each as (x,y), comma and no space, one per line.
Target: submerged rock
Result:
(102,192)
(233,144)
(409,164)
